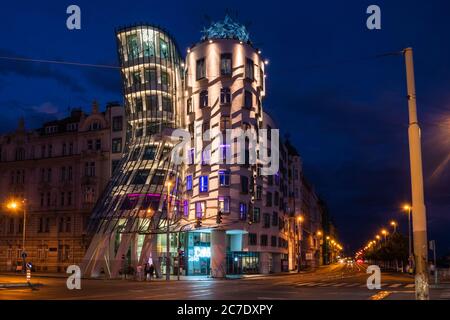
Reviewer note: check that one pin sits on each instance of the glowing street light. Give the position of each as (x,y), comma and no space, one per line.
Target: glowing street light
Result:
(13,205)
(394,225)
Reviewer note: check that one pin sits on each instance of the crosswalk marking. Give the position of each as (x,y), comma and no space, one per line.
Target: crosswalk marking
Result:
(340,284)
(353,285)
(411,285)
(395,285)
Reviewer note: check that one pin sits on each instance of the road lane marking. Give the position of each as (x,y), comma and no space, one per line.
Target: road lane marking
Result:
(353,285)
(395,285)
(340,284)
(411,285)
(302,284)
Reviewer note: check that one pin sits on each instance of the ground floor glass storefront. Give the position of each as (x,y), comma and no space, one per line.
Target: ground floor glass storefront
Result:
(242,262)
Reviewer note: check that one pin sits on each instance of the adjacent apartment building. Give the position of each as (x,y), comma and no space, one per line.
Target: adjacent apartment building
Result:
(60,170)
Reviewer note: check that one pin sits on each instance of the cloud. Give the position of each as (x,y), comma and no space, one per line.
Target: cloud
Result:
(36,70)
(46,108)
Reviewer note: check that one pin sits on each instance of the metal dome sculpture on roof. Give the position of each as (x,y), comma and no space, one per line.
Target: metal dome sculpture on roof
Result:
(226,29)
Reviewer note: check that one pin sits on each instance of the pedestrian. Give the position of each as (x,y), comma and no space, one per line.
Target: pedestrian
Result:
(146,270)
(139,273)
(151,270)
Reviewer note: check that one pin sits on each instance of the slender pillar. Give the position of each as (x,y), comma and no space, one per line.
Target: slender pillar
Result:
(418,203)
(218,253)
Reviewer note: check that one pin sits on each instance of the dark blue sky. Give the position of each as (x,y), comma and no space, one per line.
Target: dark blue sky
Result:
(345,111)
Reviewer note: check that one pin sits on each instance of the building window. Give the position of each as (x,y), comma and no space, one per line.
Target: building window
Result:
(264,240)
(244,184)
(224,178)
(252,239)
(114,165)
(186,208)
(163,48)
(203,184)
(268,199)
(189,106)
(95,126)
(98,144)
(141,177)
(69,198)
(200,209)
(89,195)
(273,241)
(90,144)
(150,76)
(225,123)
(258,195)
(117,145)
(249,69)
(133,46)
(203,99)
(71,148)
(149,153)
(42,199)
(138,106)
(117,123)
(256,215)
(225,96)
(136,78)
(248,99)
(89,169)
(49,174)
(189,183)
(50,150)
(201,69)
(167,104)
(275,219)
(266,220)
(224,204)
(226,66)
(243,211)
(158,178)
(62,198)
(276,198)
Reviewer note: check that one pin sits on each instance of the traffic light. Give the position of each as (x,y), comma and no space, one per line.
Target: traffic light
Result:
(219,217)
(198,223)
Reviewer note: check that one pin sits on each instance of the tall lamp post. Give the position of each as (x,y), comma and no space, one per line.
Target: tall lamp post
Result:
(13,205)
(384,233)
(169,184)
(299,252)
(419,216)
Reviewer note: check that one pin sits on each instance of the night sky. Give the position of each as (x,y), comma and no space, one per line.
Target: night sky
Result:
(344,109)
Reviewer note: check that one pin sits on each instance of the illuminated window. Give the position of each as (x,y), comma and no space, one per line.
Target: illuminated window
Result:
(226,64)
(224,204)
(249,69)
(201,69)
(224,178)
(225,96)
(243,211)
(200,209)
(203,183)
(189,183)
(203,99)
(186,208)
(164,49)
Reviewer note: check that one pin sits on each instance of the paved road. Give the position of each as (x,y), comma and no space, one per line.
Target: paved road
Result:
(336,282)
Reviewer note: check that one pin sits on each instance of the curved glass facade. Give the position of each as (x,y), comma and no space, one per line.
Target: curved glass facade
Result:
(135,199)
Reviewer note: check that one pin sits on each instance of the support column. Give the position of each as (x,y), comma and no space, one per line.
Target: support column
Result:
(218,253)
(276,261)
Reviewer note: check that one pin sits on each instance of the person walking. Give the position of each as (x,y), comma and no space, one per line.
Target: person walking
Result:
(151,270)
(146,270)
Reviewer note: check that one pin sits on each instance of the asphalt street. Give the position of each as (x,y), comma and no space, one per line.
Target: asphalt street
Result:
(335,282)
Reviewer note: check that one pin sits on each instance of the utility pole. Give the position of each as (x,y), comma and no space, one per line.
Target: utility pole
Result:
(419,218)
(168,234)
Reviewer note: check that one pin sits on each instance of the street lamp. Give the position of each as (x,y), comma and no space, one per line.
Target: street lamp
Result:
(384,233)
(13,206)
(408,209)
(394,225)
(300,219)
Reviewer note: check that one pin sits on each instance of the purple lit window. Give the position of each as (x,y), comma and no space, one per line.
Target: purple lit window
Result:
(243,211)
(200,209)
(189,183)
(203,183)
(186,208)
